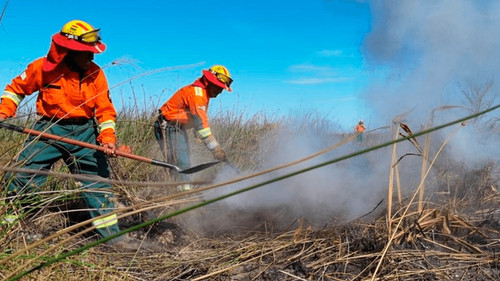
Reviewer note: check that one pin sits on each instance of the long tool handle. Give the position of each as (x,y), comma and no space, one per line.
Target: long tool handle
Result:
(100,148)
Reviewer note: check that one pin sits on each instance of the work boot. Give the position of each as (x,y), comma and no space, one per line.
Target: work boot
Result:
(125,243)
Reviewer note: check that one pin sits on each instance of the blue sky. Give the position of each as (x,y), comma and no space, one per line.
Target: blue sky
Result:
(285,56)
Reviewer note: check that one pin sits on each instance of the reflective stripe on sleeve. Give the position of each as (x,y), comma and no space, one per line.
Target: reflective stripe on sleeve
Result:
(198,91)
(17,99)
(106,221)
(106,125)
(205,132)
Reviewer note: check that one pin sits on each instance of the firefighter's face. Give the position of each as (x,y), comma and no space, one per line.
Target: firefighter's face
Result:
(82,59)
(213,91)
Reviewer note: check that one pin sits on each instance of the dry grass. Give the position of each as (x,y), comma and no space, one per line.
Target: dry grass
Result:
(451,232)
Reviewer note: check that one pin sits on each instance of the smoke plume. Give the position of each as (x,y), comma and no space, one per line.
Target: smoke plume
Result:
(433,62)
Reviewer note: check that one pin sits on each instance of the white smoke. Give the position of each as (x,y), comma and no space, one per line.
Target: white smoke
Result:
(426,55)
(328,195)
(432,52)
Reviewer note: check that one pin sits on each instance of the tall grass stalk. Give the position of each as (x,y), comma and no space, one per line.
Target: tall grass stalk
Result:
(390,188)
(410,203)
(393,169)
(425,158)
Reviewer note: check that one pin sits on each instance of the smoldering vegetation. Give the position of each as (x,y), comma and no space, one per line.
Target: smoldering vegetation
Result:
(415,209)
(423,208)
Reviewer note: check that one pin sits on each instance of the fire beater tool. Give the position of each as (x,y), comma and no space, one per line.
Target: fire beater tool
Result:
(190,170)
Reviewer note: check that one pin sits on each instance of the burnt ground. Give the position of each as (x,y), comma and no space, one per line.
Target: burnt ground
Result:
(432,245)
(446,241)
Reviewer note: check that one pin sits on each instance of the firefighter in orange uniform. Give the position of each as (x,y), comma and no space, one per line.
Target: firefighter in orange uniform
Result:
(359,129)
(187,108)
(73,101)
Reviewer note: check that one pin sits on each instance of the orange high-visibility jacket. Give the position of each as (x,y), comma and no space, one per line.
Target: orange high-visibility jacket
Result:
(359,129)
(189,105)
(62,95)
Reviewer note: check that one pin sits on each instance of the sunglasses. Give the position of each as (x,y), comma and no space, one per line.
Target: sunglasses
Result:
(223,78)
(88,37)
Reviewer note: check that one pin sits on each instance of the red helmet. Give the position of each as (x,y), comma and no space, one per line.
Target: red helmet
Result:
(75,35)
(78,35)
(219,76)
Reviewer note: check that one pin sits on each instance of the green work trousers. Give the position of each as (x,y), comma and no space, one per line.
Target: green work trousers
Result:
(359,137)
(42,154)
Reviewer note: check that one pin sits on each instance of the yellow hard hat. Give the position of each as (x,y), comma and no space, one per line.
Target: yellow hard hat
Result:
(78,35)
(220,76)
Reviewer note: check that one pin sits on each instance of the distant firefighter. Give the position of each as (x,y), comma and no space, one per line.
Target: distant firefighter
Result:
(360,129)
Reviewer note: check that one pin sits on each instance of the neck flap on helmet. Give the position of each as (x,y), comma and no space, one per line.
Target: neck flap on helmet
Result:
(55,55)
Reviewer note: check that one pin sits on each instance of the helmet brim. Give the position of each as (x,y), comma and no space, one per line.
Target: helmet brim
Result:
(212,79)
(63,41)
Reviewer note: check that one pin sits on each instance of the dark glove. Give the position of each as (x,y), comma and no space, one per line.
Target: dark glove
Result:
(219,154)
